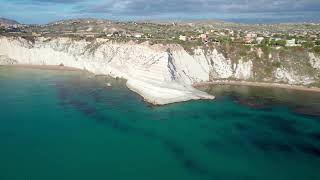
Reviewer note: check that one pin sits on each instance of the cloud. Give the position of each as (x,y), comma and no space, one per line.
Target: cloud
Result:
(151,7)
(58,1)
(48,10)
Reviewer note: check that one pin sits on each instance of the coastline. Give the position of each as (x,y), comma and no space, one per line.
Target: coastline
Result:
(195,85)
(258,84)
(152,93)
(43,67)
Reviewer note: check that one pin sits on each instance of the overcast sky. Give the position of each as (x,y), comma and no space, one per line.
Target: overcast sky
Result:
(248,11)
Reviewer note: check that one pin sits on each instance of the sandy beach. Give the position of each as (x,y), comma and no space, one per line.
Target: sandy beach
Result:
(218,82)
(44,67)
(258,84)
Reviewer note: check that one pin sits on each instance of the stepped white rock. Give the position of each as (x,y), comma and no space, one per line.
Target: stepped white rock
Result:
(151,71)
(161,74)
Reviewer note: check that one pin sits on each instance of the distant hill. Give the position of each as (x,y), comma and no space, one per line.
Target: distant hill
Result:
(8,21)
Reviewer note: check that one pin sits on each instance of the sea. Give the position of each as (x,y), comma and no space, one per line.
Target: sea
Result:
(71,125)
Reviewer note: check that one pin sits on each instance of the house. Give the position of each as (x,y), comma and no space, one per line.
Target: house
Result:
(204,37)
(277,39)
(249,38)
(138,35)
(36,34)
(291,42)
(182,38)
(259,39)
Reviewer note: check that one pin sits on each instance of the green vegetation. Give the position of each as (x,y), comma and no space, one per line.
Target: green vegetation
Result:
(224,39)
(276,64)
(278,43)
(244,50)
(315,84)
(316,50)
(264,42)
(308,44)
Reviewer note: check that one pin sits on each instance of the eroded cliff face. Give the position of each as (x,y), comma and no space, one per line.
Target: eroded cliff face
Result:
(314,61)
(162,74)
(4,60)
(151,71)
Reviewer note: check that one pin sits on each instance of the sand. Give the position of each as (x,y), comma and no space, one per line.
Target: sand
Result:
(259,84)
(44,67)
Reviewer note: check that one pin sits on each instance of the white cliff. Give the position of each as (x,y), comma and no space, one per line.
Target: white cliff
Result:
(151,71)
(314,61)
(161,74)
(5,60)
(243,70)
(292,77)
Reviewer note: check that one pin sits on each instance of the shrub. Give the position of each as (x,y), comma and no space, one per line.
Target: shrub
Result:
(316,49)
(308,44)
(278,43)
(276,64)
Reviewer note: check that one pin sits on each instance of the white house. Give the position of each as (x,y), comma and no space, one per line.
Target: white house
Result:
(291,42)
(182,38)
(250,37)
(138,35)
(259,39)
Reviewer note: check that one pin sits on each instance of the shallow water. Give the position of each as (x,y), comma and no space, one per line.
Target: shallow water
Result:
(70,125)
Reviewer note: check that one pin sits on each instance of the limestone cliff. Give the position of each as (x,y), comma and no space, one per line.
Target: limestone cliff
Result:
(162,74)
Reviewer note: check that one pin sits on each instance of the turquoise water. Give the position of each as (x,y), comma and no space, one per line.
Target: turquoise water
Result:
(70,125)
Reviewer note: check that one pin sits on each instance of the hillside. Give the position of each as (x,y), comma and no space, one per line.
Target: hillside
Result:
(162,61)
(8,21)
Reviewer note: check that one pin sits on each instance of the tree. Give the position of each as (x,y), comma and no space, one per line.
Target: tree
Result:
(265,42)
(278,42)
(281,42)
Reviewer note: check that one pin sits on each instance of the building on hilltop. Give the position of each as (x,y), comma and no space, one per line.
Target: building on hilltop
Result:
(259,40)
(291,42)
(249,38)
(182,38)
(138,35)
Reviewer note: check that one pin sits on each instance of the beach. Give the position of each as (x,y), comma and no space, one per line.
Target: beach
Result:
(217,82)
(258,84)
(44,67)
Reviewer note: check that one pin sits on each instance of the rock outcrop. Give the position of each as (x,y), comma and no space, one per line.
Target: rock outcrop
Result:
(161,74)
(4,60)
(314,61)
(151,71)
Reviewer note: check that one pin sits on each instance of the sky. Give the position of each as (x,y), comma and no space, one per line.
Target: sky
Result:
(245,11)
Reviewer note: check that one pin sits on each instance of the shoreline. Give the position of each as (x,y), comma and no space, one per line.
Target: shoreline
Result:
(43,67)
(258,84)
(151,93)
(195,85)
